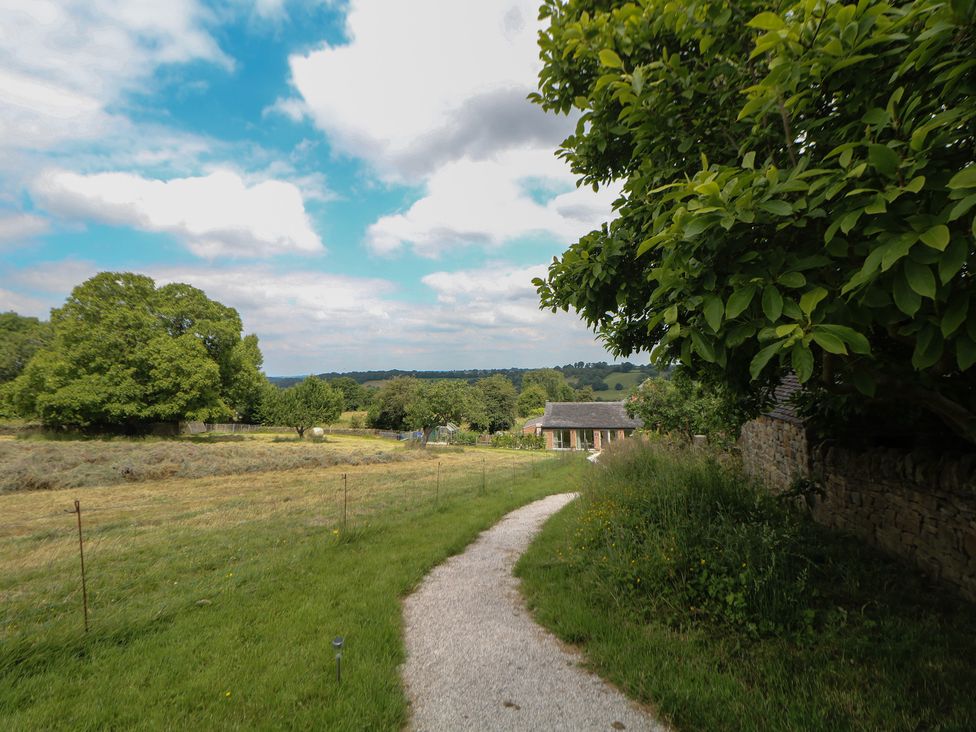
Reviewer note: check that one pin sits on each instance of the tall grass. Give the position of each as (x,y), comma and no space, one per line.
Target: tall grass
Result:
(214,601)
(699,594)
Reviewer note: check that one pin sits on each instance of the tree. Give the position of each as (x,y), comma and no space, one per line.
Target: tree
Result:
(306,404)
(436,403)
(389,408)
(353,393)
(20,338)
(684,407)
(531,401)
(552,381)
(798,191)
(584,395)
(499,398)
(123,352)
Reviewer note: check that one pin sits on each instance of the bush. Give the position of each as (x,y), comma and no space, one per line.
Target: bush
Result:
(678,534)
(518,441)
(464,437)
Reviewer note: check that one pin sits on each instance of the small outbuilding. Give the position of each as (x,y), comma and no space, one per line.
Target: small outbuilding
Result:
(582,425)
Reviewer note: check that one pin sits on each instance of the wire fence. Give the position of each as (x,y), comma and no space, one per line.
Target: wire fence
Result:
(107,564)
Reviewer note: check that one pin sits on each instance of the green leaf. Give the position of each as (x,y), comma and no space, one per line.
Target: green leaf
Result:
(907,300)
(772,303)
(762,358)
(671,315)
(703,346)
(802,358)
(915,184)
(857,342)
(785,330)
(877,206)
(829,342)
(749,160)
(952,260)
(965,178)
(883,159)
(920,278)
(962,207)
(876,116)
(955,315)
(928,348)
(778,208)
(767,22)
(609,58)
(792,280)
(965,353)
(864,383)
(738,335)
(937,237)
(812,298)
(713,310)
(739,301)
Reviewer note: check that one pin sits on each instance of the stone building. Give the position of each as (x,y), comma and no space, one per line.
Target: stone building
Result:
(582,425)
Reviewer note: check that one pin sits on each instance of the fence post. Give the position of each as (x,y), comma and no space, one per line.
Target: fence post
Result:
(437,490)
(81,554)
(345,500)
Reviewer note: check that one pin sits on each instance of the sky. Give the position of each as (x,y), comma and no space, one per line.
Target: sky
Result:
(364,181)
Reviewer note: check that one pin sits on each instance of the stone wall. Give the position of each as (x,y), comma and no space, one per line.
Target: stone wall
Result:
(775,452)
(921,507)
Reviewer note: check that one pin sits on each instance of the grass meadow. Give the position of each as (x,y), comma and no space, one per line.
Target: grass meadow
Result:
(213,600)
(725,609)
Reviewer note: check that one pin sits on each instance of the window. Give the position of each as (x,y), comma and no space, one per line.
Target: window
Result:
(560,439)
(584,439)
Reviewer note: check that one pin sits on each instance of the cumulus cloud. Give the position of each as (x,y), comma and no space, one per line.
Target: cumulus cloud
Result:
(65,62)
(485,203)
(424,82)
(214,215)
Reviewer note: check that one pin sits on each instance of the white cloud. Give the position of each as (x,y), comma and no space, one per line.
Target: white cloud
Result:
(309,322)
(290,107)
(484,202)
(214,215)
(19,226)
(65,62)
(424,82)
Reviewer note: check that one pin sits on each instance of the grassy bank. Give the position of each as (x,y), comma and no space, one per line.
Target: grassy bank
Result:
(720,607)
(214,601)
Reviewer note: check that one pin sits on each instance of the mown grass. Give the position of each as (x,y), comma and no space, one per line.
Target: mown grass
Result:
(841,638)
(41,464)
(213,602)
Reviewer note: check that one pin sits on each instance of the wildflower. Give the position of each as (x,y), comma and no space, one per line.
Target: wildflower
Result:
(227,693)
(703,562)
(335,532)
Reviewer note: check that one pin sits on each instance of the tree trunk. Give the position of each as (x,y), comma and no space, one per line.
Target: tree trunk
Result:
(301,432)
(426,433)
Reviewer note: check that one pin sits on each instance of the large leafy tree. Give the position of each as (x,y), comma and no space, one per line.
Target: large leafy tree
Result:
(798,191)
(435,403)
(20,338)
(308,403)
(498,397)
(553,381)
(124,352)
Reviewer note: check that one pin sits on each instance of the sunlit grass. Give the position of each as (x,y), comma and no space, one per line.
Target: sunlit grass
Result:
(237,584)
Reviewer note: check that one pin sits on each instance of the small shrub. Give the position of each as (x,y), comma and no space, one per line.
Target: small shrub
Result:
(464,437)
(357,421)
(518,441)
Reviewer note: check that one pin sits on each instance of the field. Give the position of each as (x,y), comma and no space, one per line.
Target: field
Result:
(213,600)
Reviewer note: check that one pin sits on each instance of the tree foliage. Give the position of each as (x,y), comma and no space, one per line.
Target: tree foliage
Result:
(436,403)
(799,190)
(682,406)
(531,401)
(498,397)
(552,381)
(308,403)
(20,338)
(124,352)
(389,408)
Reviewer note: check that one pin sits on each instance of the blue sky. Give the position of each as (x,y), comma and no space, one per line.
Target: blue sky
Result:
(364,180)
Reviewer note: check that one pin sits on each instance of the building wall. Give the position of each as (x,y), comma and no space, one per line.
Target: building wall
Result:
(921,507)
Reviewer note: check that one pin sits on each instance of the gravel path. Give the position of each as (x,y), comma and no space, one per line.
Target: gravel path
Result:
(477,661)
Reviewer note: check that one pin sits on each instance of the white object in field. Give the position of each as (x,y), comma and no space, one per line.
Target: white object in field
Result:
(318,432)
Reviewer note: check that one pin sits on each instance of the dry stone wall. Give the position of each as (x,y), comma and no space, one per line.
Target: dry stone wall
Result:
(921,507)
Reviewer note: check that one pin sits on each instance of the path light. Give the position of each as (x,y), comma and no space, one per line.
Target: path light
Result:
(337,644)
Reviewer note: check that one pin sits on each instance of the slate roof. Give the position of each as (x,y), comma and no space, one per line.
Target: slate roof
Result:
(534,422)
(783,406)
(588,415)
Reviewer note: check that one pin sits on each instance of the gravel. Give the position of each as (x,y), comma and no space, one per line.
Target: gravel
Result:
(477,661)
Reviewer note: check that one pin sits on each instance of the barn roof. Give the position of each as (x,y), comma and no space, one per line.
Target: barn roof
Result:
(589,415)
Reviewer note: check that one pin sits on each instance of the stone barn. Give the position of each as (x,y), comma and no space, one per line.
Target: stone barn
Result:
(582,425)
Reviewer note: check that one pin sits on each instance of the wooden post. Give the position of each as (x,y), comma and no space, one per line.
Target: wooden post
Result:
(81,554)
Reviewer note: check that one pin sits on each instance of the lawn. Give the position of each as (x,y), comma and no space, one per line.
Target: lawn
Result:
(724,610)
(213,601)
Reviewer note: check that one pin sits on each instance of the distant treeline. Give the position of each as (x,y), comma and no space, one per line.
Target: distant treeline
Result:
(583,373)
